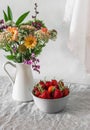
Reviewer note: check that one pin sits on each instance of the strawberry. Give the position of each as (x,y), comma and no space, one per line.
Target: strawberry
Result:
(45,95)
(37,93)
(42,84)
(51,89)
(35,88)
(57,94)
(65,91)
(48,83)
(54,82)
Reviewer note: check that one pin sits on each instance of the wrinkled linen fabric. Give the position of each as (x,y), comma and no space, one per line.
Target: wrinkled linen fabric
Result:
(78,15)
(26,116)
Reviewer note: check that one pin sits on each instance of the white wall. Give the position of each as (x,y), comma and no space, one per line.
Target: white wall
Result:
(51,11)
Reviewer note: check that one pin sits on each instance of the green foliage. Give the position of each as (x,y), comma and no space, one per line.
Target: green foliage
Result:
(21,18)
(10,57)
(5,16)
(19,57)
(38,49)
(8,15)
(8,48)
(9,11)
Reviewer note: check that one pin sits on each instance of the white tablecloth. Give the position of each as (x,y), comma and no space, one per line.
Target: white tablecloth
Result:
(26,116)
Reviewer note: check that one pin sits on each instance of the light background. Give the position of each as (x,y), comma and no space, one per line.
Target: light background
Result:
(56,60)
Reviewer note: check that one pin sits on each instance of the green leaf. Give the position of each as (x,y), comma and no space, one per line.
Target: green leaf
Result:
(38,49)
(19,57)
(7,47)
(5,16)
(9,11)
(21,18)
(10,57)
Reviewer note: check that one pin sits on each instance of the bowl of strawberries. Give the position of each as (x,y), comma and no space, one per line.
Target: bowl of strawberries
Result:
(50,96)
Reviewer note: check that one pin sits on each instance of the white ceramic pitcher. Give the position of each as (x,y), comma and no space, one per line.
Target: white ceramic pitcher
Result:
(23,83)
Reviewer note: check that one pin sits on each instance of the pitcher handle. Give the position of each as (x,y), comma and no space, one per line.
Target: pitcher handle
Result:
(4,66)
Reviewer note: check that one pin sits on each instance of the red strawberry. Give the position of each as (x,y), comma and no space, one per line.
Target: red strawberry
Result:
(57,93)
(45,95)
(57,86)
(42,84)
(51,89)
(48,83)
(35,88)
(65,91)
(54,82)
(37,93)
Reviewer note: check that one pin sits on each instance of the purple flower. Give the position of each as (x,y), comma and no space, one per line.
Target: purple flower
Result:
(33,61)
(2,27)
(38,60)
(33,16)
(36,5)
(33,55)
(29,62)
(37,12)
(1,21)
(14,49)
(36,70)
(38,66)
(25,61)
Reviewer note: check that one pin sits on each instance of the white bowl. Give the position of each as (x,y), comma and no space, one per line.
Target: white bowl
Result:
(50,105)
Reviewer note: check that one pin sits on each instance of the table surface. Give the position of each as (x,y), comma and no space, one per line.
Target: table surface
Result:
(26,116)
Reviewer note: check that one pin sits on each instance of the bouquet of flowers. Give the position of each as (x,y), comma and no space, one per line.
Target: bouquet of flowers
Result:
(24,40)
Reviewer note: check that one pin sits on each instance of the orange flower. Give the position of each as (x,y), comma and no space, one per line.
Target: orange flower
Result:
(45,30)
(14,32)
(30,42)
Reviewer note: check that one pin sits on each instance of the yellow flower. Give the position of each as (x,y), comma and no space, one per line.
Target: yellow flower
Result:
(30,42)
